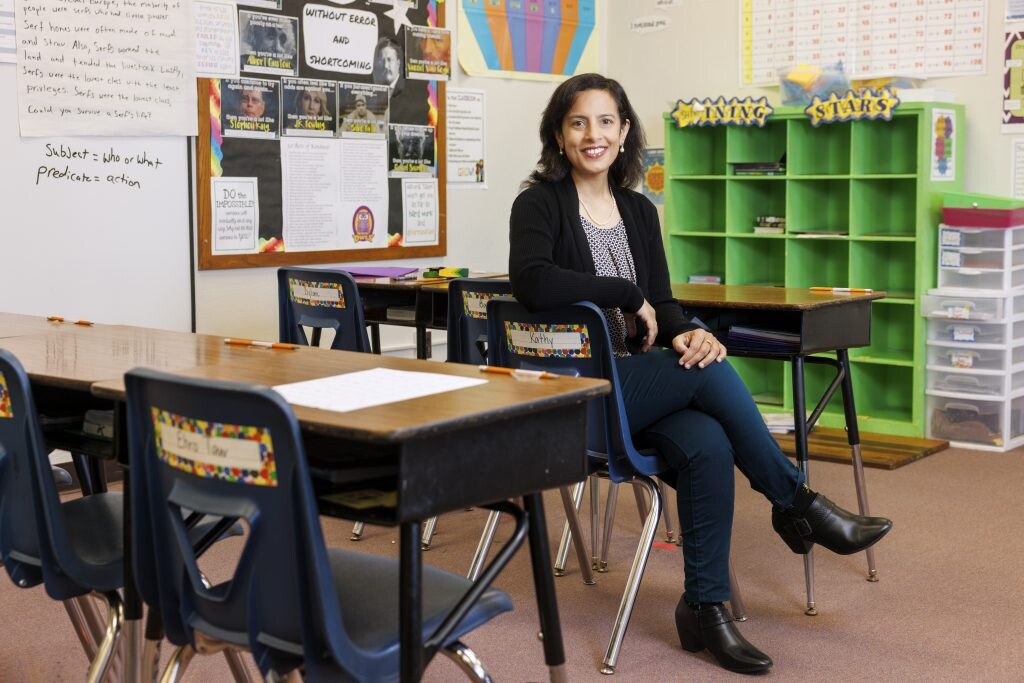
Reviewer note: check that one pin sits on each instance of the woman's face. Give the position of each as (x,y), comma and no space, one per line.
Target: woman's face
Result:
(592,132)
(312,102)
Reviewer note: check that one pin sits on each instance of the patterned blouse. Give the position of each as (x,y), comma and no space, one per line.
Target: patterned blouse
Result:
(609,248)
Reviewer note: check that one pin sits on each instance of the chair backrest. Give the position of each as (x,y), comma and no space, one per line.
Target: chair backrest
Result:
(34,542)
(467,317)
(320,299)
(235,451)
(571,340)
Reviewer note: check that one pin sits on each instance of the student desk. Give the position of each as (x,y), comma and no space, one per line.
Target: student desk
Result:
(825,322)
(430,451)
(428,303)
(16,325)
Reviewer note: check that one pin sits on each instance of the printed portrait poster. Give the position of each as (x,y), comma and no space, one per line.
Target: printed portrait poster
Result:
(428,53)
(263,4)
(363,110)
(249,108)
(269,43)
(411,150)
(309,107)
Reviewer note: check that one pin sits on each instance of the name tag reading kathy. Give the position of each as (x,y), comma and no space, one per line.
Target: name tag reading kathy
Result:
(327,294)
(548,341)
(474,304)
(234,453)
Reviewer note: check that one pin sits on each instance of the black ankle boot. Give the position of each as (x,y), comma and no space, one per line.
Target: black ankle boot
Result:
(825,523)
(711,627)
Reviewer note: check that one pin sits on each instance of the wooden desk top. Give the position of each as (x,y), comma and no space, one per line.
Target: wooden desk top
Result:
(751,296)
(502,397)
(429,284)
(442,287)
(76,358)
(17,325)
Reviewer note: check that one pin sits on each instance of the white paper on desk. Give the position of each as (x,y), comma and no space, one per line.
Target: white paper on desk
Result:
(356,390)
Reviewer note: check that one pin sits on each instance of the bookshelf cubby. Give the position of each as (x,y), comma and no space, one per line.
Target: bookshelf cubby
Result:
(861,209)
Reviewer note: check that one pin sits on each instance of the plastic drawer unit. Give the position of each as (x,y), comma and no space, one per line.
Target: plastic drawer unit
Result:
(972,422)
(974,357)
(971,333)
(981,258)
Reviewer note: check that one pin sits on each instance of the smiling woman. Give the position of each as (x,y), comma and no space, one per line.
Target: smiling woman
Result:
(580,233)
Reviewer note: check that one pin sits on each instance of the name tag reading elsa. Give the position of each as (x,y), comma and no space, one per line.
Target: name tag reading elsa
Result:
(237,454)
(327,294)
(548,341)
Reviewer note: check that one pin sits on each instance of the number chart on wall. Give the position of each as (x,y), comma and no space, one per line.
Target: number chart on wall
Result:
(872,38)
(329,144)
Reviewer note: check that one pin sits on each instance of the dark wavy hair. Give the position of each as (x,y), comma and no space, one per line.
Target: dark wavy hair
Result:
(627,169)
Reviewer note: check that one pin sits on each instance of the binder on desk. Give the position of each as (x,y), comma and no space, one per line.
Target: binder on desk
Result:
(752,339)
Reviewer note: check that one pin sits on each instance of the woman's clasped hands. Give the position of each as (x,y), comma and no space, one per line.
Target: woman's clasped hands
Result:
(698,346)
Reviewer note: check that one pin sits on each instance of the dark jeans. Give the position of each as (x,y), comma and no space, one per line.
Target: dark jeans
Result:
(704,422)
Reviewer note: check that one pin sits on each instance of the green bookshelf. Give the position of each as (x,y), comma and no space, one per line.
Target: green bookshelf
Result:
(861,210)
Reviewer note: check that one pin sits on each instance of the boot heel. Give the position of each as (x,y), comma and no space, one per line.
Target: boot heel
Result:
(691,642)
(793,539)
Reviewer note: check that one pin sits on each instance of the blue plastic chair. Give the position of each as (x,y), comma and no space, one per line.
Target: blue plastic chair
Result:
(573,340)
(74,548)
(320,299)
(291,601)
(467,317)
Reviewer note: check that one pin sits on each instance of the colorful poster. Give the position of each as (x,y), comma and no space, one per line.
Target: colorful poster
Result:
(269,43)
(1013,82)
(249,108)
(363,110)
(528,39)
(412,150)
(309,107)
(653,184)
(465,138)
(419,197)
(364,194)
(120,68)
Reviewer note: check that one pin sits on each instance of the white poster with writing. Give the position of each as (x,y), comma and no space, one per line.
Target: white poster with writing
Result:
(364,193)
(106,67)
(236,215)
(7,49)
(310,193)
(338,38)
(1017,169)
(419,199)
(466,149)
(216,39)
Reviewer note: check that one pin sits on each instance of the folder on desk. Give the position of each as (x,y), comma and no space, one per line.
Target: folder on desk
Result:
(743,338)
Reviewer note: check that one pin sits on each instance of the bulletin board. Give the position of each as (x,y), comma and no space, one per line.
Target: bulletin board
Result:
(335,38)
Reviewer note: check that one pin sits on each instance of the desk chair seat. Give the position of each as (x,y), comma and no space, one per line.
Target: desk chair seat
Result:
(290,600)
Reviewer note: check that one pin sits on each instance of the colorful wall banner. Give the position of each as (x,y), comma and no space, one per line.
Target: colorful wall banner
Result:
(528,39)
(853,106)
(722,112)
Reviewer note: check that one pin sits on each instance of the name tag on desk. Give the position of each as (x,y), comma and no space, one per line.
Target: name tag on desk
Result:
(548,341)
(234,453)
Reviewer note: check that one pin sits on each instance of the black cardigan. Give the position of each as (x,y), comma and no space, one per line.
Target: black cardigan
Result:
(550,265)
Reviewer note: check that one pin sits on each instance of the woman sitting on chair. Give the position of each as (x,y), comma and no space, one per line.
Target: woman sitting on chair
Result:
(578,232)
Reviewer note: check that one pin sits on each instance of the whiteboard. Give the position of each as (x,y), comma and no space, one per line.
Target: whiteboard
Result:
(101,233)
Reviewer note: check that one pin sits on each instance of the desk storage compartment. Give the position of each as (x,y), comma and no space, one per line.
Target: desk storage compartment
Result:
(968,332)
(979,238)
(971,382)
(968,356)
(962,307)
(974,421)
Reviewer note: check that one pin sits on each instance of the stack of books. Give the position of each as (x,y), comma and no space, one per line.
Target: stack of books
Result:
(769,225)
(704,280)
(760,168)
(765,341)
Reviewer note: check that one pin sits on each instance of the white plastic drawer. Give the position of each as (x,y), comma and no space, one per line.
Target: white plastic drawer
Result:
(969,332)
(973,278)
(971,382)
(985,259)
(968,356)
(984,238)
(962,307)
(964,419)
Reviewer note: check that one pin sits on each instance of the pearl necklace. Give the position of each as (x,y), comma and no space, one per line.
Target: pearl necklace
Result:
(591,216)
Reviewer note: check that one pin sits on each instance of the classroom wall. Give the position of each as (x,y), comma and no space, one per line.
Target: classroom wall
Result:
(698,56)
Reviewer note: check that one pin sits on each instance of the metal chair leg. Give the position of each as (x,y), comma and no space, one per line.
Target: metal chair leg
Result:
(483,547)
(82,627)
(609,524)
(563,545)
(595,504)
(576,533)
(105,651)
(666,511)
(150,666)
(179,661)
(636,573)
(739,610)
(862,504)
(641,505)
(236,664)
(357,532)
(467,660)
(429,529)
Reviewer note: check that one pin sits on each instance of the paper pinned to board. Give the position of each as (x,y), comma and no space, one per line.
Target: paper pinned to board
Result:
(368,388)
